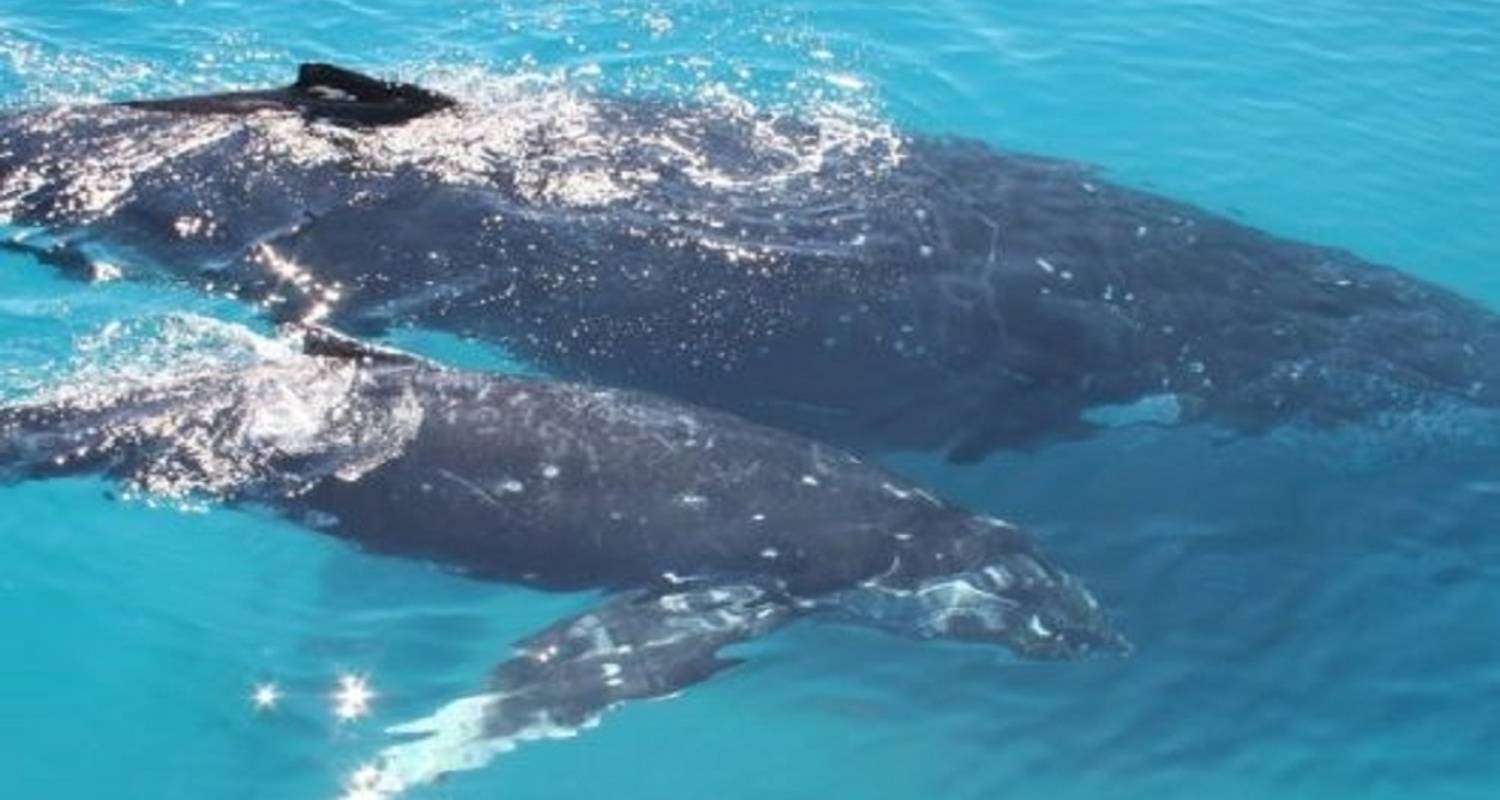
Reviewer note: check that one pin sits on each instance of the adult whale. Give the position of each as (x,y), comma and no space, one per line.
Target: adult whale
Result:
(877,290)
(704,529)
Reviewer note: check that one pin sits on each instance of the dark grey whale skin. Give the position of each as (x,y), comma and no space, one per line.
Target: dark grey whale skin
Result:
(702,528)
(321,91)
(927,293)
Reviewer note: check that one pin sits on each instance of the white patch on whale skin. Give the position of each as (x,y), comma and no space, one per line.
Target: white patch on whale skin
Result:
(1001,578)
(1156,409)
(104,272)
(330,93)
(895,491)
(675,603)
(929,498)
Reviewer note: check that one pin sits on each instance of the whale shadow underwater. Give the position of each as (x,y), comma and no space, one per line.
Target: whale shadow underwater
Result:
(701,529)
(875,290)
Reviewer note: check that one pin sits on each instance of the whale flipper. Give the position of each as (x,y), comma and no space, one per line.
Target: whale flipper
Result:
(637,645)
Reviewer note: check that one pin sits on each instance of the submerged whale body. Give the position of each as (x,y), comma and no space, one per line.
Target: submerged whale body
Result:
(704,529)
(876,290)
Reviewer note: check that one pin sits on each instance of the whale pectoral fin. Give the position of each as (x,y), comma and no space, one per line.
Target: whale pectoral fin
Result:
(638,645)
(634,647)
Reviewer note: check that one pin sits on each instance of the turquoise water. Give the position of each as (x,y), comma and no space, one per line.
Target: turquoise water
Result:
(1312,620)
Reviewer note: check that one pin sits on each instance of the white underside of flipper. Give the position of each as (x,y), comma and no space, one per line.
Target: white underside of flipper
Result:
(453,739)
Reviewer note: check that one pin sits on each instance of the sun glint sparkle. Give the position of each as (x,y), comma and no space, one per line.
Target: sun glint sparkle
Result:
(265,696)
(352,698)
(363,784)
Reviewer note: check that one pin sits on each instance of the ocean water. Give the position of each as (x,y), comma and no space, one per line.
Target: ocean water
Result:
(1314,617)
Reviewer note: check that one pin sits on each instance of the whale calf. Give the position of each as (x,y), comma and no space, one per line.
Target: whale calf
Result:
(702,529)
(877,290)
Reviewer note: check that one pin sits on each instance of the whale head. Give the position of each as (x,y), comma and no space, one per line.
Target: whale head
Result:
(976,579)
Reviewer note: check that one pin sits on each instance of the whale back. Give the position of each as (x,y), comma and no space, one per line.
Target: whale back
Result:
(877,291)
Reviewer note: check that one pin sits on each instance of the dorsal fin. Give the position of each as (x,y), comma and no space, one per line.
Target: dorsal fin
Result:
(343,94)
(325,343)
(322,91)
(357,85)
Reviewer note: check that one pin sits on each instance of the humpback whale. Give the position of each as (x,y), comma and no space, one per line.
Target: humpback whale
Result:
(876,290)
(701,529)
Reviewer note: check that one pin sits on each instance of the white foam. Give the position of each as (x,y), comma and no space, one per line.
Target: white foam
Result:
(240,404)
